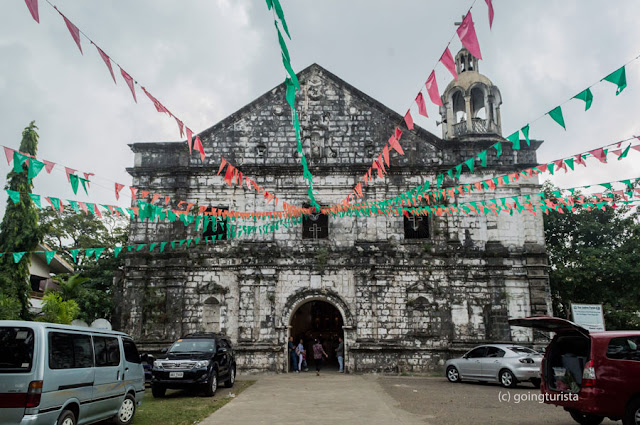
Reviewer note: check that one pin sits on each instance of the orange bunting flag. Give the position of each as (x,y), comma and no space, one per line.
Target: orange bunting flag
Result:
(359,189)
(133,191)
(199,147)
(385,153)
(166,200)
(189,139)
(393,143)
(144,194)
(398,133)
(408,120)
(155,198)
(229,174)
(222,164)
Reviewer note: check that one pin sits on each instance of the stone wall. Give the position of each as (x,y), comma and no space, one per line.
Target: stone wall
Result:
(407,305)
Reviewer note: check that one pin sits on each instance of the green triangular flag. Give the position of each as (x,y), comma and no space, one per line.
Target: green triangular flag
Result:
(439,179)
(162,245)
(587,96)
(550,167)
(291,93)
(35,167)
(140,246)
(89,252)
(173,244)
(189,241)
(181,242)
(618,77)
(471,163)
(458,170)
(36,198)
(17,256)
(98,252)
(498,147)
(74,205)
(569,162)
(283,45)
(278,8)
(117,250)
(269,4)
(74,254)
(84,184)
(18,160)
(292,74)
(482,156)
(525,132)
(450,172)
(15,196)
(49,255)
(515,140)
(73,179)
(130,247)
(556,114)
(153,245)
(196,240)
(624,153)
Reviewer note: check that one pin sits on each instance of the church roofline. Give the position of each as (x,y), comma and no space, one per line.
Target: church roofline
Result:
(302,75)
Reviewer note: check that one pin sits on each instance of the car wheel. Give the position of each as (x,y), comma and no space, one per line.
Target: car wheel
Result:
(66,418)
(536,382)
(585,418)
(127,410)
(232,378)
(212,386)
(452,374)
(158,391)
(632,413)
(507,379)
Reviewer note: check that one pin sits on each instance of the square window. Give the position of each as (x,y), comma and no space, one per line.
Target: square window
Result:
(216,227)
(416,227)
(315,226)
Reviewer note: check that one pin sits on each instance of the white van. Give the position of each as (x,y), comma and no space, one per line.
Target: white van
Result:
(67,375)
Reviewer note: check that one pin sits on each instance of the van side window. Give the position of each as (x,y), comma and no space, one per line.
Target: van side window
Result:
(130,351)
(107,351)
(69,351)
(624,348)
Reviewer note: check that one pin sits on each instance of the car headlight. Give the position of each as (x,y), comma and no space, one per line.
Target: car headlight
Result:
(202,363)
(157,364)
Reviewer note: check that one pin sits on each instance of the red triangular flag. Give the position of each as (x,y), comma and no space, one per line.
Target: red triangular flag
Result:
(118,189)
(97,211)
(560,165)
(75,32)
(129,81)
(447,60)
(106,60)
(229,174)
(144,194)
(432,89)
(422,108)
(198,145)
(224,162)
(87,176)
(84,207)
(467,33)
(159,106)
(408,120)
(398,133)
(8,152)
(358,189)
(166,200)
(189,139)
(48,165)
(69,171)
(599,153)
(490,6)
(180,126)
(33,8)
(542,168)
(393,142)
(385,153)
(133,191)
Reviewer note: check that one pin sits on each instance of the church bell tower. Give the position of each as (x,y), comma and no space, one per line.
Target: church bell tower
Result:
(471,104)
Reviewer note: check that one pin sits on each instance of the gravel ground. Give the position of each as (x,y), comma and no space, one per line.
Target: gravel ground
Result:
(440,402)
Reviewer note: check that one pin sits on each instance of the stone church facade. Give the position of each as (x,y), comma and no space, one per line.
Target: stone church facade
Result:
(405,293)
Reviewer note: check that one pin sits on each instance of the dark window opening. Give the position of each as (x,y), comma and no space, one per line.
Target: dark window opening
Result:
(130,351)
(315,226)
(107,351)
(215,227)
(416,227)
(69,351)
(624,348)
(16,354)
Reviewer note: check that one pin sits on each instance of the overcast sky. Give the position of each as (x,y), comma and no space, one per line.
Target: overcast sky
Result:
(204,59)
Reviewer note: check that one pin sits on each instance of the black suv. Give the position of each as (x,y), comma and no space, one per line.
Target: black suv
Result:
(195,361)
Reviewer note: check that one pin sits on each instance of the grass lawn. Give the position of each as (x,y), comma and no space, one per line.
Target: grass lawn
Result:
(183,408)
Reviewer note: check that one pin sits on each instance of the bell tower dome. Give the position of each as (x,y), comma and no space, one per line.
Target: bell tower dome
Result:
(471,104)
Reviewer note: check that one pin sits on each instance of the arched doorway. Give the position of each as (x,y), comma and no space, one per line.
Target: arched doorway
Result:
(322,320)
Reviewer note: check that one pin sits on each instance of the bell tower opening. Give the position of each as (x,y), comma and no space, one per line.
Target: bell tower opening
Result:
(320,320)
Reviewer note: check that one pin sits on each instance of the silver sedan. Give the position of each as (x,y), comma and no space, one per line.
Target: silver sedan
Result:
(506,364)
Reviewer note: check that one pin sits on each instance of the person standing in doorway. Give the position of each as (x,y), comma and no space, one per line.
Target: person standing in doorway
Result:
(292,355)
(340,354)
(300,353)
(318,352)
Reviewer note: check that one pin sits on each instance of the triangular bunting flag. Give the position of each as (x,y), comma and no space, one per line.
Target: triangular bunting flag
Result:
(556,114)
(587,96)
(618,77)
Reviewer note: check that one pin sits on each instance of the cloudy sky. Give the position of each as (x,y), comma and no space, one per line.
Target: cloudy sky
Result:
(204,59)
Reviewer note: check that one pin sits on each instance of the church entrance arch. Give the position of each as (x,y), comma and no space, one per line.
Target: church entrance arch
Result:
(318,319)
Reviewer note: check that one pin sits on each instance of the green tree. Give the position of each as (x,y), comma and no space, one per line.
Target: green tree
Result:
(57,310)
(19,230)
(68,230)
(594,259)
